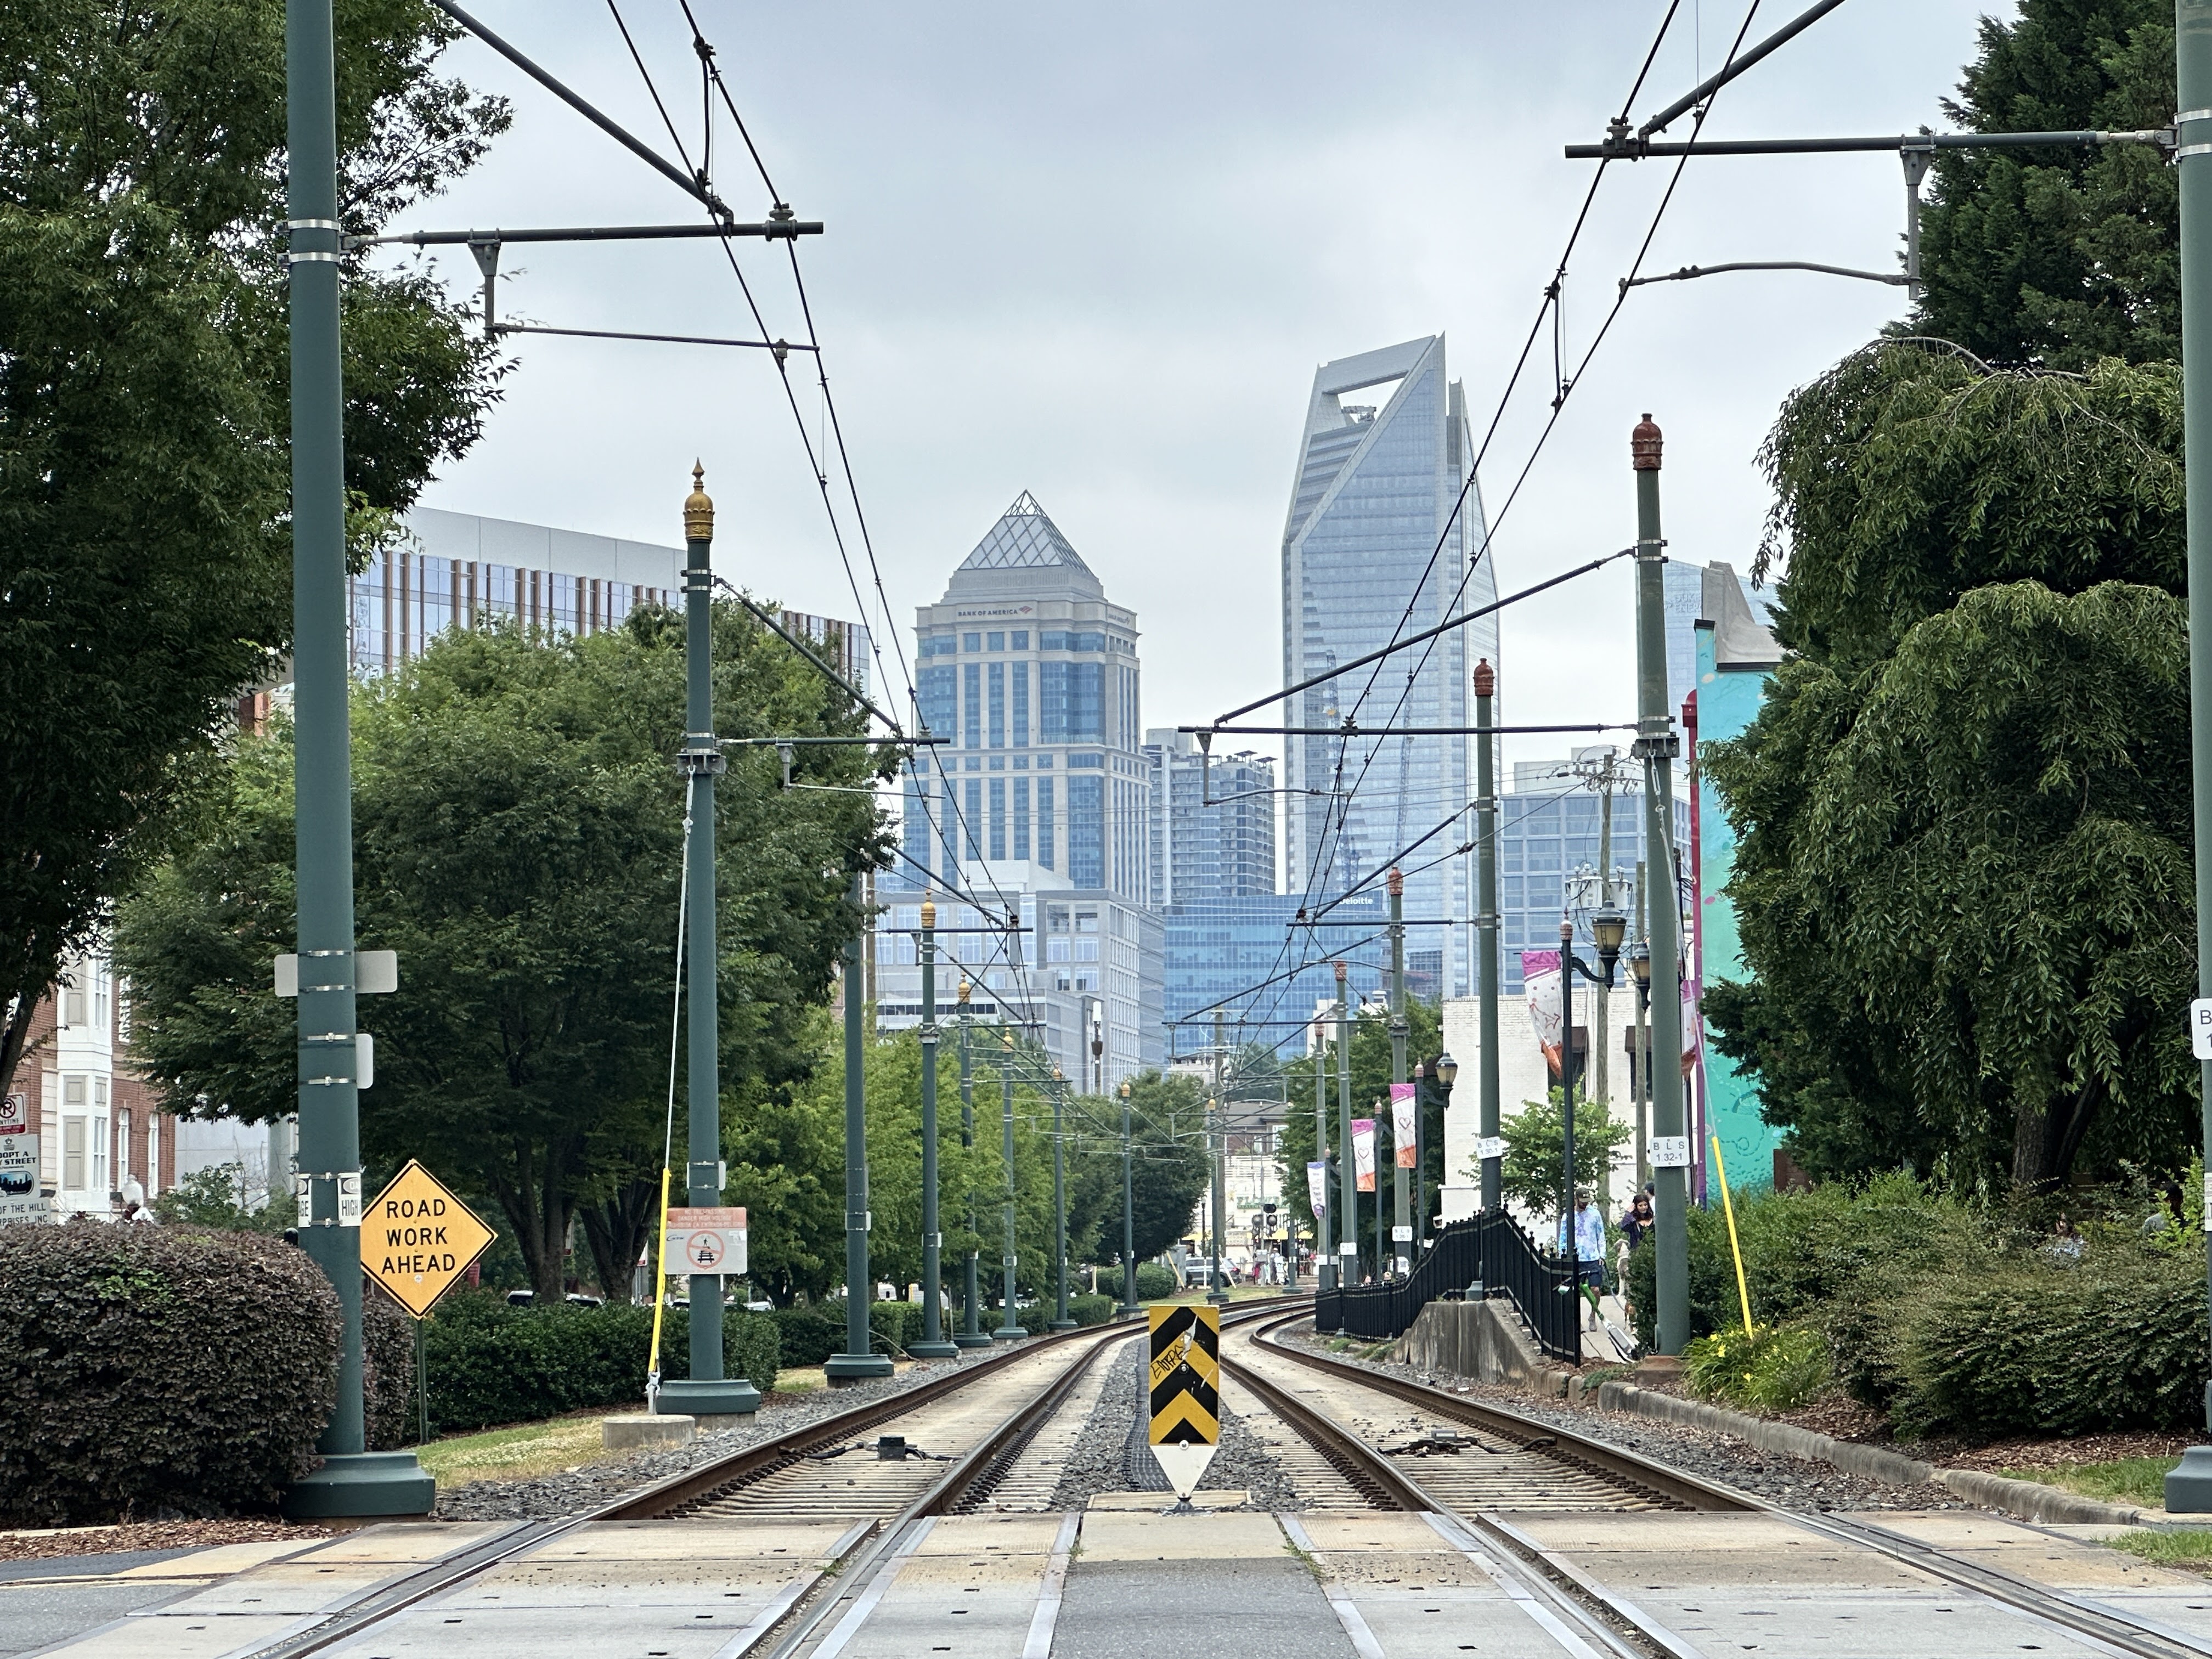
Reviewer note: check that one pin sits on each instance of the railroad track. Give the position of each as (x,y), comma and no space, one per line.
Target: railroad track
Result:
(1433,1480)
(960,1436)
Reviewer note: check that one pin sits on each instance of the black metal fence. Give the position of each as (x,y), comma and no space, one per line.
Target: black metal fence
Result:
(1490,1248)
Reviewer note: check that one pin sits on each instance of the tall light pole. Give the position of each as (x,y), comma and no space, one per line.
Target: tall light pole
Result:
(1324,1264)
(1607,927)
(1491,1149)
(2188,1487)
(1218,1118)
(353,1480)
(1129,1303)
(1655,746)
(933,1345)
(858,1362)
(1010,1329)
(1347,1250)
(1060,1320)
(970,1334)
(1402,1228)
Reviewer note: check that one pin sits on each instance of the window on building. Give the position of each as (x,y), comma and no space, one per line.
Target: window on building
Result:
(971,641)
(74,997)
(123,1146)
(153,1154)
(1020,639)
(1021,705)
(975,818)
(75,1096)
(995,642)
(971,686)
(1046,829)
(1021,818)
(997,679)
(998,817)
(99,1135)
(1086,831)
(936,696)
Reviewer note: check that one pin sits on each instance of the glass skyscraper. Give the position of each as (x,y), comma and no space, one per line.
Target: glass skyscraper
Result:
(1384,526)
(1199,851)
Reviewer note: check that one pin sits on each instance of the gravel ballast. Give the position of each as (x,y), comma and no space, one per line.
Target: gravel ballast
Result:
(587,1486)
(1792,1482)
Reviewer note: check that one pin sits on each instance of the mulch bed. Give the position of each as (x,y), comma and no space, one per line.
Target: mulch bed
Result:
(149,1535)
(2086,1449)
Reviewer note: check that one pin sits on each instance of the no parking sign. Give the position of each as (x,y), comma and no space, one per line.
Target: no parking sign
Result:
(707,1241)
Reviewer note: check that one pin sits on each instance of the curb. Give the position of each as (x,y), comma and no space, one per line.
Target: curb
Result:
(2025,1499)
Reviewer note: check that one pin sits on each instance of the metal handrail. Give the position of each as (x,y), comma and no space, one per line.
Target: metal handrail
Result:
(1491,1250)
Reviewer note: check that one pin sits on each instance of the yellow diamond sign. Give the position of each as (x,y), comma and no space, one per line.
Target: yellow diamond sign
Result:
(416,1238)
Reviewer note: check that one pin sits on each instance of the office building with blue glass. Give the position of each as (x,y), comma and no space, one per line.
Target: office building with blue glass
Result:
(1382,540)
(1244,956)
(1042,798)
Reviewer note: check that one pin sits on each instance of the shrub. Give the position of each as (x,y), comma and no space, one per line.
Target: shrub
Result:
(387,1371)
(490,1364)
(157,1371)
(1776,1369)
(2031,1345)
(809,1335)
(1155,1282)
(1090,1310)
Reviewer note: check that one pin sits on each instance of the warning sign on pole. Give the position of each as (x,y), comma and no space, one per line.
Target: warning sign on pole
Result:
(417,1239)
(707,1241)
(1184,1392)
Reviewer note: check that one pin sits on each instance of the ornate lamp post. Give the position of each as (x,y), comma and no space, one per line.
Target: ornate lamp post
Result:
(1608,927)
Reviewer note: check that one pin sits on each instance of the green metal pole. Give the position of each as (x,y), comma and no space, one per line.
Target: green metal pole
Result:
(1129,1303)
(933,1345)
(352,1481)
(1491,1150)
(1217,1293)
(1060,1320)
(1347,1250)
(2188,1487)
(1009,1329)
(859,1361)
(1656,745)
(1402,1215)
(971,1330)
(1324,1267)
(706,1393)
(1567,1101)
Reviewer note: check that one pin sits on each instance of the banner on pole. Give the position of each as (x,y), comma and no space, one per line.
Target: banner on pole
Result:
(1317,1186)
(1540,974)
(1403,1134)
(1363,1153)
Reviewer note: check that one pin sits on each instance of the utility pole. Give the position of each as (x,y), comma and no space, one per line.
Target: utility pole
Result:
(1600,1029)
(353,1481)
(1642,1076)
(1324,1267)
(1219,1291)
(1130,1307)
(1491,1149)
(971,1329)
(1060,1320)
(1009,1329)
(1401,1227)
(2188,1487)
(1347,1189)
(1655,746)
(858,1362)
(933,1345)
(706,1393)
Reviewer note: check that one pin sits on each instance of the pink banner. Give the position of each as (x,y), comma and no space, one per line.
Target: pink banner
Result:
(1403,1134)
(1363,1153)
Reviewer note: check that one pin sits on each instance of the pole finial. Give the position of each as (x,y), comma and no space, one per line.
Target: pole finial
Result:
(1397,881)
(698,509)
(1644,446)
(1486,679)
(929,912)
(1339,972)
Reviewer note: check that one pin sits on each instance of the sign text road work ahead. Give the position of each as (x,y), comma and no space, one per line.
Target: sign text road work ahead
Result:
(707,1241)
(417,1238)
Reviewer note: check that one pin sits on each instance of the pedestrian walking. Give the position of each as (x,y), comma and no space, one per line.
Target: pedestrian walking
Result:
(1589,1252)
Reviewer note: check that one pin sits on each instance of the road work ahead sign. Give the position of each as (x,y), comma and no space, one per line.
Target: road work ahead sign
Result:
(417,1238)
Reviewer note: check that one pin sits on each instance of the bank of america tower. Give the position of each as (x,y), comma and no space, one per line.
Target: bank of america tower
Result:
(1381,542)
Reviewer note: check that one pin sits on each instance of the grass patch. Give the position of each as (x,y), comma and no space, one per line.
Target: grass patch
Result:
(520,1453)
(2123,1479)
(2192,1549)
(800,1379)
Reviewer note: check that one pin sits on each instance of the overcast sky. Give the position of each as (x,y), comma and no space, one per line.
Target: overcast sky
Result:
(1097,253)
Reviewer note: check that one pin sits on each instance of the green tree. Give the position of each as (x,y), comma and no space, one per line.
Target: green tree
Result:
(1961,806)
(518,842)
(1533,1172)
(2063,256)
(144,555)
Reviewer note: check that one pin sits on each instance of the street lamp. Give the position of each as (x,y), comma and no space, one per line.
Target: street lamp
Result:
(1609,927)
(1434,1077)
(1060,1321)
(1129,1306)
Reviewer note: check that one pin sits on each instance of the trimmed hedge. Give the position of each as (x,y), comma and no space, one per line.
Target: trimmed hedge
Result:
(156,1371)
(387,1370)
(809,1335)
(1154,1282)
(490,1364)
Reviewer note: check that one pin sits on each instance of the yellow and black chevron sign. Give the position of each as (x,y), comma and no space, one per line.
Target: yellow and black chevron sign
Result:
(1186,1377)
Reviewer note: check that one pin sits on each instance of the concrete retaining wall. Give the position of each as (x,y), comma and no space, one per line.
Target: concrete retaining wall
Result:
(1481,1340)
(2025,1499)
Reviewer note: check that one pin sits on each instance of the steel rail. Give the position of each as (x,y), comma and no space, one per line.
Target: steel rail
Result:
(2116,1628)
